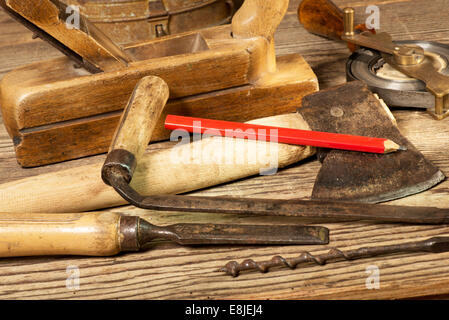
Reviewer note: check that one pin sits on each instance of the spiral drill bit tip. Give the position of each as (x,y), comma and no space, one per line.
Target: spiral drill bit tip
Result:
(434,245)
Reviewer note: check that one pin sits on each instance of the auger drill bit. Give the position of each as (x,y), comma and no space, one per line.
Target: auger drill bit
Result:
(432,245)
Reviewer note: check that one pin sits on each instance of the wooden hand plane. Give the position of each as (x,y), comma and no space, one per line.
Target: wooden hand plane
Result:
(55,111)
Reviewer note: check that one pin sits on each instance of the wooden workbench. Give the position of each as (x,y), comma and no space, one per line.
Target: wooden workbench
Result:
(168,271)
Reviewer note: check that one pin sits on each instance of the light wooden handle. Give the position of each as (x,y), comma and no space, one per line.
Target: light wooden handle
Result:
(137,123)
(161,172)
(258,18)
(91,234)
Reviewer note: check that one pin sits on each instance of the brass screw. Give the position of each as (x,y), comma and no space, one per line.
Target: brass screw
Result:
(348,22)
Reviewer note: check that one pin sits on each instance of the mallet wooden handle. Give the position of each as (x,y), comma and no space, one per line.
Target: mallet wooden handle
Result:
(162,172)
(59,234)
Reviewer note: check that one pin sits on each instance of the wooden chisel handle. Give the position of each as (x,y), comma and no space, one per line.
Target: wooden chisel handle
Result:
(90,234)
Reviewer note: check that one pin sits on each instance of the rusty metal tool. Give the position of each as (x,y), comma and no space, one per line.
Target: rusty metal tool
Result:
(412,60)
(329,211)
(432,245)
(362,177)
(107,234)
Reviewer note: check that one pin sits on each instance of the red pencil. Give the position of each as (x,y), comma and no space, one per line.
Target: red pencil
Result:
(281,135)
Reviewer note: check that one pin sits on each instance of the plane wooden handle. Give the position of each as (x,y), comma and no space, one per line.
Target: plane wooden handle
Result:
(321,17)
(91,234)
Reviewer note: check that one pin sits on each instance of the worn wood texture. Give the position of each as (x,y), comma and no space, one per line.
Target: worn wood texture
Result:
(86,40)
(168,271)
(311,11)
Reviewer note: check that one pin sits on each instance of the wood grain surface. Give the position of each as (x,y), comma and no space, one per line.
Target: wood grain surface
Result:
(168,271)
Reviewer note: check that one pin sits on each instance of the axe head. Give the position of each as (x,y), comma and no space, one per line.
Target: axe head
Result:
(355,176)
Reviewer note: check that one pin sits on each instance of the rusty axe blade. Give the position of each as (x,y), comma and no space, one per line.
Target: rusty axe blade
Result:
(357,176)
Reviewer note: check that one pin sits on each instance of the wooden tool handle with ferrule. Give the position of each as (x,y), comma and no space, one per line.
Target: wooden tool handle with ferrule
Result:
(137,123)
(91,234)
(140,116)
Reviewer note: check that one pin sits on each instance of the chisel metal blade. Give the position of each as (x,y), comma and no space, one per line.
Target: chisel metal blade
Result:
(204,234)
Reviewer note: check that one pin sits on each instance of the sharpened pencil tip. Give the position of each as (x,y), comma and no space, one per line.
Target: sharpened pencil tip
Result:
(402,148)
